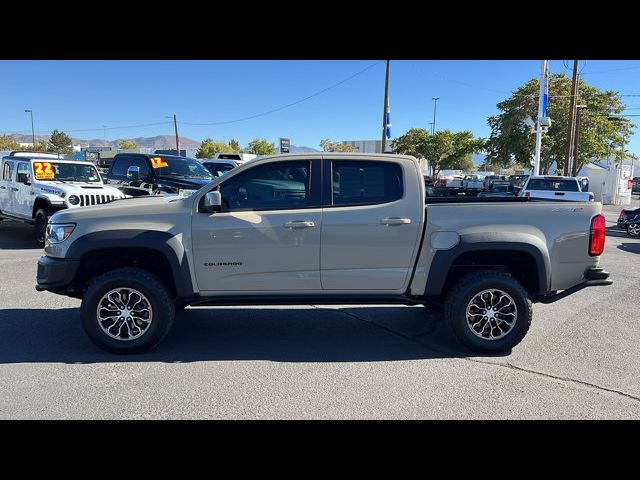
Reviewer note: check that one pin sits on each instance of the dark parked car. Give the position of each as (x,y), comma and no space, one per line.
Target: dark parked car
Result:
(499,191)
(629,220)
(139,174)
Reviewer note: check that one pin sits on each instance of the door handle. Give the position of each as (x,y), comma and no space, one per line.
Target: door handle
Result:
(559,193)
(14,189)
(299,224)
(3,188)
(395,221)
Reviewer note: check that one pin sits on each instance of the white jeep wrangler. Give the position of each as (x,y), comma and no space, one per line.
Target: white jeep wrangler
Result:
(33,186)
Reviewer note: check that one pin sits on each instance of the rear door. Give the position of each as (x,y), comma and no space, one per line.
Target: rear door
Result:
(371,223)
(6,184)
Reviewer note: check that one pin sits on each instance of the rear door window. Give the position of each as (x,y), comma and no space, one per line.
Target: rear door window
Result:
(363,183)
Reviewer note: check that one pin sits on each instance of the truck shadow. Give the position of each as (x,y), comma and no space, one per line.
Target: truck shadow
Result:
(629,247)
(222,333)
(17,236)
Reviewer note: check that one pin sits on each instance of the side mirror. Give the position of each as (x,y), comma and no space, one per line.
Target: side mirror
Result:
(212,202)
(24,178)
(133,173)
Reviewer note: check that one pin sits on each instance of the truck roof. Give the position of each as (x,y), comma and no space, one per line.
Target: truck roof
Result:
(339,155)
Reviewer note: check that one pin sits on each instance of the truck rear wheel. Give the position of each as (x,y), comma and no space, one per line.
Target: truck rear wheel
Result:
(488,311)
(127,310)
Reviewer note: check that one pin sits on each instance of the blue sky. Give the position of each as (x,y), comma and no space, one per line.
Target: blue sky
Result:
(85,95)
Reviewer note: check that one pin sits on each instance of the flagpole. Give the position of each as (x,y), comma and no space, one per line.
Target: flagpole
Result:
(542,112)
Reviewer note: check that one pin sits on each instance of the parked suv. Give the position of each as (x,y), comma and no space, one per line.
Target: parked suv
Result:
(139,174)
(33,186)
(629,220)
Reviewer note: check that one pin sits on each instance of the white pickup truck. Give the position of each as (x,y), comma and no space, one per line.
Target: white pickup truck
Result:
(555,188)
(321,228)
(33,186)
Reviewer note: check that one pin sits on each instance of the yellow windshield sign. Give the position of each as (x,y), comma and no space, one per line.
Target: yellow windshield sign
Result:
(43,170)
(158,162)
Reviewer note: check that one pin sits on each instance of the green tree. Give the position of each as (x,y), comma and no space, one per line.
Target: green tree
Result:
(7,142)
(443,150)
(261,146)
(411,143)
(126,144)
(329,146)
(512,142)
(234,145)
(209,147)
(41,146)
(59,142)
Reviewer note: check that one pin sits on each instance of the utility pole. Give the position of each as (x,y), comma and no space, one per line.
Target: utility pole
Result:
(572,116)
(385,113)
(175,126)
(542,112)
(574,170)
(435,103)
(33,132)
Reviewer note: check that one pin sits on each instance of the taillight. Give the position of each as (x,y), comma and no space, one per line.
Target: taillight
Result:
(596,238)
(592,197)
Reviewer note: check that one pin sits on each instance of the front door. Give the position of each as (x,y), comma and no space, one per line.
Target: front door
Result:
(266,238)
(370,224)
(6,184)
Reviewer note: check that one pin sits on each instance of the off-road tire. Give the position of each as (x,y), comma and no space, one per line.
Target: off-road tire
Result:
(465,290)
(40,224)
(162,304)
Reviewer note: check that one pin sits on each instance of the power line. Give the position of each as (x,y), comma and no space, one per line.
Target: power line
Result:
(289,104)
(612,70)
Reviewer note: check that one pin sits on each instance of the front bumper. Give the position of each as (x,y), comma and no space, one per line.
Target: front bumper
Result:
(55,273)
(594,277)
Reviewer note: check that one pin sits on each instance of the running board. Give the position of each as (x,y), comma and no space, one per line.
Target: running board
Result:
(300,300)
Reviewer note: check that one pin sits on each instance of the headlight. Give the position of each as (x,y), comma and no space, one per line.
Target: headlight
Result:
(59,232)
(185,192)
(74,200)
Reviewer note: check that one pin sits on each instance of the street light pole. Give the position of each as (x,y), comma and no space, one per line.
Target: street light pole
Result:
(574,168)
(33,132)
(435,103)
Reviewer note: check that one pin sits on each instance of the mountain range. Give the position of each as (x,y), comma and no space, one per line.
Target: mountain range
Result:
(158,142)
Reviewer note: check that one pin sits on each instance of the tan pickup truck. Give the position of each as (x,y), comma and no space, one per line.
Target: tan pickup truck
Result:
(321,228)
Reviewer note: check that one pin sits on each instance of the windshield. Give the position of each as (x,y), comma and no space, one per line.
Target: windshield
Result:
(180,167)
(66,172)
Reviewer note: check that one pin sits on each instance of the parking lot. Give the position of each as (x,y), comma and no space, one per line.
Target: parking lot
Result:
(580,359)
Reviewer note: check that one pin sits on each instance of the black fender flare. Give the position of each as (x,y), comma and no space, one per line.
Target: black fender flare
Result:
(163,242)
(532,246)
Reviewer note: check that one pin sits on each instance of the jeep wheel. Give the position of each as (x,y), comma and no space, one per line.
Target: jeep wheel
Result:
(634,230)
(40,225)
(127,310)
(488,311)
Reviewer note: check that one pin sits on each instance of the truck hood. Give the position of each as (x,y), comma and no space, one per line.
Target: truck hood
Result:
(121,211)
(59,188)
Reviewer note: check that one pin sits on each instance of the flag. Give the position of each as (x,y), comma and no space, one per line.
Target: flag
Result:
(545,96)
(388,126)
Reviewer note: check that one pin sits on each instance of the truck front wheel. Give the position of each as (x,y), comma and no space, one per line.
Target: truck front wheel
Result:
(488,311)
(40,224)
(127,310)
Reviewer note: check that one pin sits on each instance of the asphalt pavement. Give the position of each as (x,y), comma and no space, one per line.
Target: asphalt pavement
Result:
(580,359)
